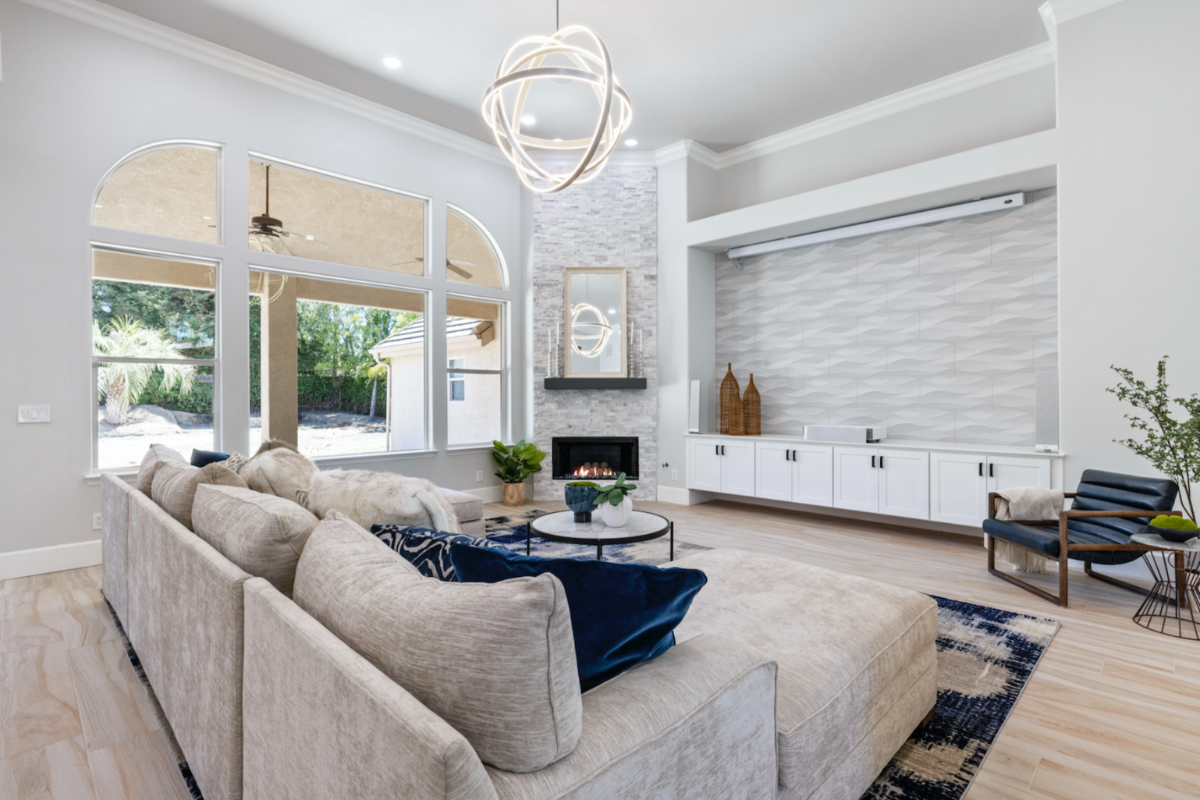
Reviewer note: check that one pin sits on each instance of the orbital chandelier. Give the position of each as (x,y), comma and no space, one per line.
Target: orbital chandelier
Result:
(521,67)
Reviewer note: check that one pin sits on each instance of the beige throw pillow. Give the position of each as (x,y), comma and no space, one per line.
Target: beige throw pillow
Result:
(280,471)
(174,487)
(262,534)
(494,660)
(156,456)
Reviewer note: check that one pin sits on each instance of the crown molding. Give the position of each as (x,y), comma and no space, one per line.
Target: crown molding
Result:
(972,78)
(1056,12)
(143,30)
(686,149)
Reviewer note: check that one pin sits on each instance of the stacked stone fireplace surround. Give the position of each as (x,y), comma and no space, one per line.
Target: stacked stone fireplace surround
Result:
(609,222)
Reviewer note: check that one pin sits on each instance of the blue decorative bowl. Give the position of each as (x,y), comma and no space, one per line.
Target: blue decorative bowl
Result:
(581,500)
(1176,535)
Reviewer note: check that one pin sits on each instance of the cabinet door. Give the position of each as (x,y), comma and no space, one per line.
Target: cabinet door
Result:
(904,483)
(812,474)
(856,478)
(737,468)
(1012,472)
(774,471)
(958,488)
(704,465)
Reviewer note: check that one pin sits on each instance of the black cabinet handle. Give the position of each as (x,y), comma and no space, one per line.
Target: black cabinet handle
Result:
(717,451)
(793,455)
(722,449)
(991,470)
(787,455)
(872,462)
(981,469)
(881,462)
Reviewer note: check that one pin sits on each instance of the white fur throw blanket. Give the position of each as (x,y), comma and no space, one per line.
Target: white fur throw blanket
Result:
(1031,503)
(380,497)
(277,469)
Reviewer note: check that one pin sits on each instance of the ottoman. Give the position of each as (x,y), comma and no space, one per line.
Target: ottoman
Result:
(857,662)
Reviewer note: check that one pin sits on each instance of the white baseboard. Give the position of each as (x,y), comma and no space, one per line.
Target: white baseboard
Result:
(682,497)
(488,494)
(22,563)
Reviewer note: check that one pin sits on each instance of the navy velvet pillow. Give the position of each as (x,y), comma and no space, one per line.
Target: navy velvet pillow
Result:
(202,458)
(621,614)
(427,550)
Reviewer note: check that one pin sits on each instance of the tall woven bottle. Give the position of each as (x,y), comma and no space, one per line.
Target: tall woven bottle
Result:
(752,409)
(737,422)
(730,392)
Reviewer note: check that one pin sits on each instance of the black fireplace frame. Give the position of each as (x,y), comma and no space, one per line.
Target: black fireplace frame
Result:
(560,471)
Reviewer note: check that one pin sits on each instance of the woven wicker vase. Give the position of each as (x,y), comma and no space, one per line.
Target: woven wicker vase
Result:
(730,393)
(752,409)
(737,421)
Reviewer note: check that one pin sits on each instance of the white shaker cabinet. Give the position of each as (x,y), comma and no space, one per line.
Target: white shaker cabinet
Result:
(721,465)
(856,479)
(960,482)
(879,481)
(795,472)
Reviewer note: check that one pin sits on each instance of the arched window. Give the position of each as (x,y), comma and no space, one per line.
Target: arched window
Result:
(167,189)
(471,257)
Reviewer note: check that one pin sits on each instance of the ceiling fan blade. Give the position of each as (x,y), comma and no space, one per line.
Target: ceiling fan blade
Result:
(298,244)
(454,268)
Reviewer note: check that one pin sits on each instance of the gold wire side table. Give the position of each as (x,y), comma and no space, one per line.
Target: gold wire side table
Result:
(1173,605)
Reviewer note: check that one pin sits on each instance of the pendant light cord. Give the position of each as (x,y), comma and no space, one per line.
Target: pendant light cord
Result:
(556,23)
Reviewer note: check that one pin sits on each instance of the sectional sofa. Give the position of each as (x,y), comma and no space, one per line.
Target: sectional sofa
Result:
(787,681)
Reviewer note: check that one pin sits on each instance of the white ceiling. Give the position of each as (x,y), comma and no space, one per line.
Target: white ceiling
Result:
(721,72)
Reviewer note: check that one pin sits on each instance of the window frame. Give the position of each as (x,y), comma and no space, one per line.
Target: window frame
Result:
(504,372)
(214,362)
(457,377)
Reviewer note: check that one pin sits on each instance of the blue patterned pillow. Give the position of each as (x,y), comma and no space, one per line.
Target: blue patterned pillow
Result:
(428,550)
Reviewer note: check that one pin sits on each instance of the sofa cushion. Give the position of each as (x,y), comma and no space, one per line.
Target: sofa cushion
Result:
(849,649)
(261,533)
(428,551)
(621,614)
(174,487)
(380,497)
(156,456)
(496,661)
(467,507)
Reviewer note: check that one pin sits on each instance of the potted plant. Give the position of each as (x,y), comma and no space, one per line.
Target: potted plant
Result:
(581,498)
(516,464)
(615,503)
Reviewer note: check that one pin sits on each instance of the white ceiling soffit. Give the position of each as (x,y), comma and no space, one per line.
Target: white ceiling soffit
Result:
(972,78)
(1056,12)
(143,30)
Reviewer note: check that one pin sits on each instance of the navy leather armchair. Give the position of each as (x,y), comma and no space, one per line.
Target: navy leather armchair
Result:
(1106,511)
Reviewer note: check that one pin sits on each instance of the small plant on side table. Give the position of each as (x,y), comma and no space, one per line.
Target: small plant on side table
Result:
(1174,529)
(581,496)
(516,464)
(615,503)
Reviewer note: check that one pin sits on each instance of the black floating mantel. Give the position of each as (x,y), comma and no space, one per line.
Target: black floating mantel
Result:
(558,384)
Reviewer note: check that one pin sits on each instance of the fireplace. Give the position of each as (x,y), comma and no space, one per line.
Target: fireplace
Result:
(594,457)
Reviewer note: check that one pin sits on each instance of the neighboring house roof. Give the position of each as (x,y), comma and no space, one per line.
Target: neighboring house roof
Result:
(413,334)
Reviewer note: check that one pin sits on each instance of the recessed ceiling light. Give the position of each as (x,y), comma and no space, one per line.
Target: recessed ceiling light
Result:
(631,142)
(528,119)
(391,62)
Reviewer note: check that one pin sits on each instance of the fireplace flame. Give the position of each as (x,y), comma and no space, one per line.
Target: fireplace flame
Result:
(594,470)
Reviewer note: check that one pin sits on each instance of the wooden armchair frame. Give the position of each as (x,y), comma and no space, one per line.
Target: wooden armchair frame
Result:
(1065,548)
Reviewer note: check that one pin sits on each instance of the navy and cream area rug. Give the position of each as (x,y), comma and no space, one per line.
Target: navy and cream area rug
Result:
(985,659)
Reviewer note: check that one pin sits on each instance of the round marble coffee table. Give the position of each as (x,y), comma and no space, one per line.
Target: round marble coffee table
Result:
(1174,601)
(561,526)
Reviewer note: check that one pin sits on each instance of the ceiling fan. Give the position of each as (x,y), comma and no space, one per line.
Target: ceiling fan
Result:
(455,265)
(268,235)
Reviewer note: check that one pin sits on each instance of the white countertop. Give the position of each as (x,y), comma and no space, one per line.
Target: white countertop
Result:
(893,444)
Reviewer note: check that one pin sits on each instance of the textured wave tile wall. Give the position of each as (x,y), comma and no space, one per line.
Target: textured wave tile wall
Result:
(935,331)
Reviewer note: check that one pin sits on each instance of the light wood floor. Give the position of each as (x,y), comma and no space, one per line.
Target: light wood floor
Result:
(1113,711)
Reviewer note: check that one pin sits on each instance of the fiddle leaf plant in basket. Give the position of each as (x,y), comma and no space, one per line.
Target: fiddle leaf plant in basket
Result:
(615,503)
(515,465)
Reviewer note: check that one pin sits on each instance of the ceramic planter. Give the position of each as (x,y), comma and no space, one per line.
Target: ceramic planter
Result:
(616,516)
(514,494)
(581,500)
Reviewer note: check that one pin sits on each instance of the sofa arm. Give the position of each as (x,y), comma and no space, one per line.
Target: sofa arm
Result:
(696,723)
(320,721)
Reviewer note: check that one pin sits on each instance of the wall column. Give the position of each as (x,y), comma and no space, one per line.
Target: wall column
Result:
(280,416)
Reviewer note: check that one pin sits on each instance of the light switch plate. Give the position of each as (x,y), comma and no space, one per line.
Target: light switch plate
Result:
(96,522)
(479,476)
(30,414)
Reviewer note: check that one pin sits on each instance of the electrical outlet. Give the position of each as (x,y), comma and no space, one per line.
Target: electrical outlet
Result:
(674,474)
(479,476)
(96,521)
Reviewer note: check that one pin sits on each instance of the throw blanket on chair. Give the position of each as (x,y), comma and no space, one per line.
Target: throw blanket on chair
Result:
(1031,503)
(380,498)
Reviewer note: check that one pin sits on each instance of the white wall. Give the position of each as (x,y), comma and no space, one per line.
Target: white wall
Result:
(73,100)
(997,111)
(1129,112)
